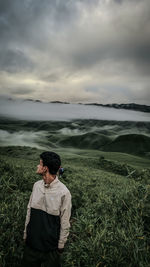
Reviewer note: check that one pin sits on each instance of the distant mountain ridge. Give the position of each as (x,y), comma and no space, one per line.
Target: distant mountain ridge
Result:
(130,106)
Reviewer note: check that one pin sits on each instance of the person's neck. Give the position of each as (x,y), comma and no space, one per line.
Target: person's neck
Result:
(48,178)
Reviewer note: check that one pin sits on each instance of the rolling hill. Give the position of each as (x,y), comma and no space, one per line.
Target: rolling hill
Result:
(129,143)
(88,140)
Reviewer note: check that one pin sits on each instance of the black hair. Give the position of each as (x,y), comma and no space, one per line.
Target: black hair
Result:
(51,160)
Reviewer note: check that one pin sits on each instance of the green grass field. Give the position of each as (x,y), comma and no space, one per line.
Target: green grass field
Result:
(110,223)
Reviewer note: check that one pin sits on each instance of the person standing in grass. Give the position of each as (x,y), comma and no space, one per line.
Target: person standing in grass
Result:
(61,171)
(48,214)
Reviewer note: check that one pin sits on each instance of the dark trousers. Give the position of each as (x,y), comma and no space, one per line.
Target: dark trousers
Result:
(34,258)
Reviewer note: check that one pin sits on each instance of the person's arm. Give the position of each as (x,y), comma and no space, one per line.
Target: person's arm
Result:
(64,220)
(27,217)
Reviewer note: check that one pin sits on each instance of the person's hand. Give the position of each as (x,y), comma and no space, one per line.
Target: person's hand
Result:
(60,250)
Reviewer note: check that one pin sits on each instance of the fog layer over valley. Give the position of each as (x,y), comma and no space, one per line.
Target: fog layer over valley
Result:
(21,138)
(29,110)
(116,136)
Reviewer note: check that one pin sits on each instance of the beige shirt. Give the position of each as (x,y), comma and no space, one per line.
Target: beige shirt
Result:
(55,200)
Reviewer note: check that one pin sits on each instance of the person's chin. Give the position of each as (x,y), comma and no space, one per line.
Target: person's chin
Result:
(37,172)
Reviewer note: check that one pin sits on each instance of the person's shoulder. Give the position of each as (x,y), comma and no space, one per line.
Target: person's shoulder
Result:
(63,188)
(38,183)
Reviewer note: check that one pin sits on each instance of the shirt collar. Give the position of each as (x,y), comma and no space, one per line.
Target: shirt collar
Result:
(52,183)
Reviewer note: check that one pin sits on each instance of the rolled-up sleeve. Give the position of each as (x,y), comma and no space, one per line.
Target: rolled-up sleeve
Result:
(65,219)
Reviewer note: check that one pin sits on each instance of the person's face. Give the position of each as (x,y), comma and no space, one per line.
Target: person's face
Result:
(40,168)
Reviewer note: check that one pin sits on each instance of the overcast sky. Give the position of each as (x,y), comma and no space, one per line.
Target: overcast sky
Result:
(75,50)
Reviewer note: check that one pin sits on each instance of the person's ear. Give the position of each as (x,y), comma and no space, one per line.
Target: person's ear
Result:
(45,169)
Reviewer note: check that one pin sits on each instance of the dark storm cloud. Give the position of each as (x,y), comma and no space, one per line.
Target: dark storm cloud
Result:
(29,25)
(14,61)
(19,18)
(35,22)
(73,45)
(126,38)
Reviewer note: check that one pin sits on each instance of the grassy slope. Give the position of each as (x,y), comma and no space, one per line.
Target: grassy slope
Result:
(135,161)
(75,155)
(109,215)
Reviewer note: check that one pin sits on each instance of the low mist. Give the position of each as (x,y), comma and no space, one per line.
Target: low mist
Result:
(29,110)
(21,138)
